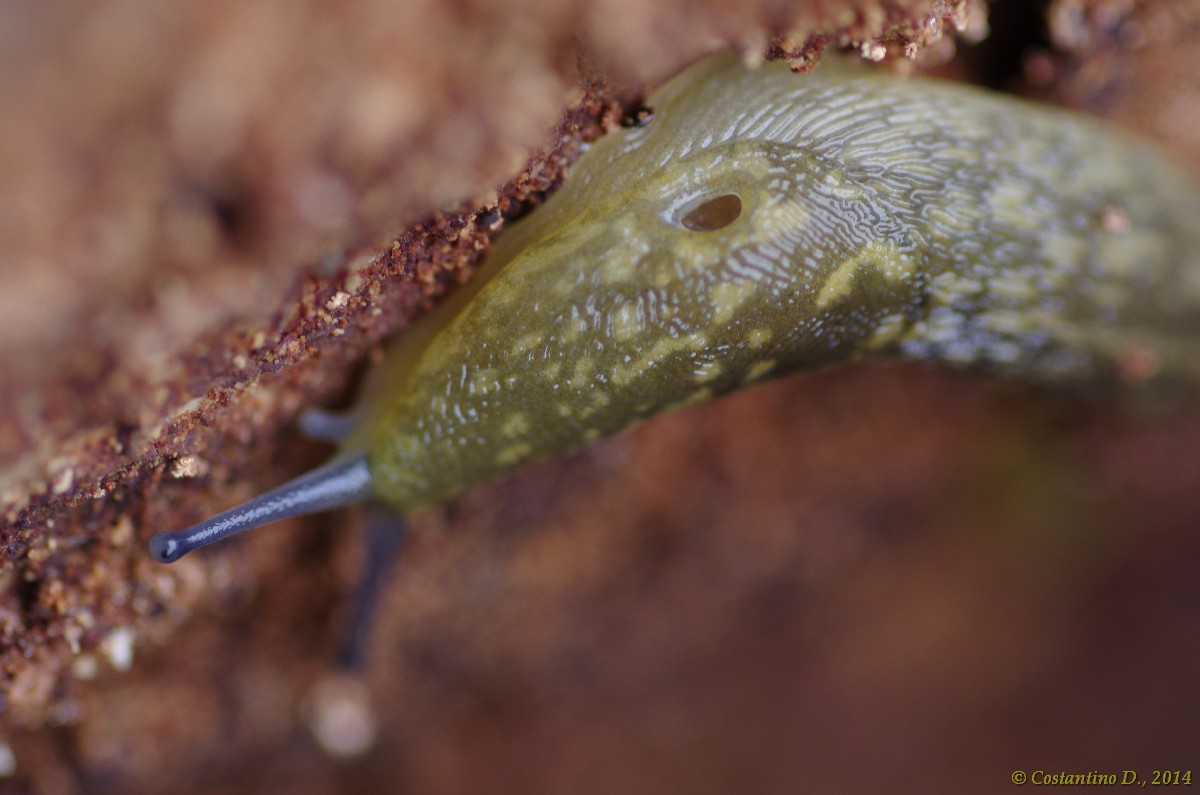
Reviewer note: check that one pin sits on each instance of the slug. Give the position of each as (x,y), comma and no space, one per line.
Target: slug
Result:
(759,223)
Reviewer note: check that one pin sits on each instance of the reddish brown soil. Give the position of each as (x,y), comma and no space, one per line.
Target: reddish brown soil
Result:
(883,577)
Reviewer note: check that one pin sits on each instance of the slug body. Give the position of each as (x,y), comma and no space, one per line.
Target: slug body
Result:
(764,222)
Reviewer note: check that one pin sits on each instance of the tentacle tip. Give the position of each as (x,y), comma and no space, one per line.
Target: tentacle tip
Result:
(165,548)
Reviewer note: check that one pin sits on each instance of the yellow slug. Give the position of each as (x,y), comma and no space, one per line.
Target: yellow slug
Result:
(763,222)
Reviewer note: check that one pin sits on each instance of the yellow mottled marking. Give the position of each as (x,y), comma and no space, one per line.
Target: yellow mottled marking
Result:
(572,330)
(894,266)
(663,349)
(888,332)
(842,189)
(880,255)
(513,454)
(622,374)
(728,298)
(834,179)
(696,253)
(621,263)
(839,284)
(760,369)
(516,425)
(758,337)
(770,222)
(696,398)
(529,342)
(584,372)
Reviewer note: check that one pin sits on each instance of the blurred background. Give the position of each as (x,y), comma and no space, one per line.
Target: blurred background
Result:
(885,576)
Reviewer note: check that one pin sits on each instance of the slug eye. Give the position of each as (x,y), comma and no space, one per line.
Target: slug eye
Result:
(713,214)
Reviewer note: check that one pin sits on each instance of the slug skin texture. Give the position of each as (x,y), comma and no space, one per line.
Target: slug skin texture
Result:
(875,215)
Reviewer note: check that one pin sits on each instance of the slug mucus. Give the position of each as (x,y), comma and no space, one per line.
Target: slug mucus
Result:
(763,222)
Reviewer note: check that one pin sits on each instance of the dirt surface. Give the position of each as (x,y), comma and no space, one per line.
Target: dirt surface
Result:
(880,576)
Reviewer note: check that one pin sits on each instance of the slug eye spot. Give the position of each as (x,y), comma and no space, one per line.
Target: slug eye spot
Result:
(713,214)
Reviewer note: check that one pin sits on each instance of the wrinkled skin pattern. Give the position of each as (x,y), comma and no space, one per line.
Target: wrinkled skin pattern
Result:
(873,215)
